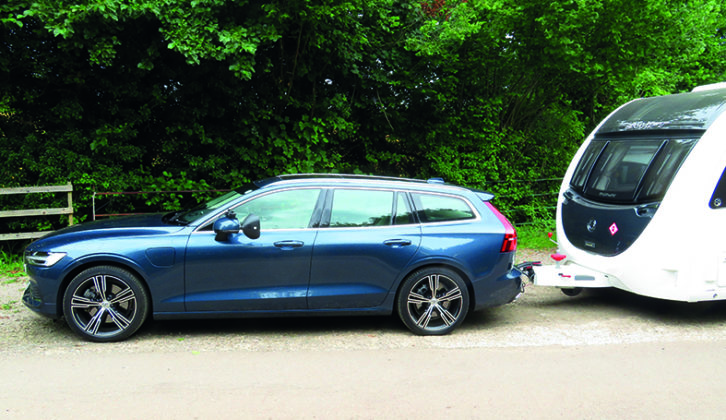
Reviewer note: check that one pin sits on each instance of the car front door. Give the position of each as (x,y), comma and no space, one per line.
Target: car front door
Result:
(368,237)
(270,273)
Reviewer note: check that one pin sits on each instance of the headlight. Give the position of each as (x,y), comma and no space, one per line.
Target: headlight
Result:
(43,259)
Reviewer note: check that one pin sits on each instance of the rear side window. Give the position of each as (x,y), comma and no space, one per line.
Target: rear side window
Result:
(360,208)
(441,208)
(629,170)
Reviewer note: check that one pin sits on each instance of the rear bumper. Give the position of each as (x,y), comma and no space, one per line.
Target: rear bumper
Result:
(500,291)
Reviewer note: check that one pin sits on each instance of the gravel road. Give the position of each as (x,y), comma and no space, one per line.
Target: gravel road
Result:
(542,317)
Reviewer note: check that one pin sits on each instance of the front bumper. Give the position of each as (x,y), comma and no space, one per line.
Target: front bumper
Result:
(33,299)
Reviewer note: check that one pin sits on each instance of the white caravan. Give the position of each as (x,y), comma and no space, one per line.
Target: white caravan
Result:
(643,203)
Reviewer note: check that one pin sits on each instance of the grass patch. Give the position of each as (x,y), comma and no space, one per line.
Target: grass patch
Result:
(8,306)
(11,265)
(534,236)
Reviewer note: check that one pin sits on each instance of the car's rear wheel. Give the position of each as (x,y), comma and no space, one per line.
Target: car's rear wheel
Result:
(105,303)
(433,301)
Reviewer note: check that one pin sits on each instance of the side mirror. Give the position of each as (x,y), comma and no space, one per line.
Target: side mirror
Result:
(225,226)
(228,225)
(251,226)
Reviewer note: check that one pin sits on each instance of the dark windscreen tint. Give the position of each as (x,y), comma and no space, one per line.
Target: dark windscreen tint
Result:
(629,170)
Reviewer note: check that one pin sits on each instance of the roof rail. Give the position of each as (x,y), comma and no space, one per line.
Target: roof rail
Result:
(349,176)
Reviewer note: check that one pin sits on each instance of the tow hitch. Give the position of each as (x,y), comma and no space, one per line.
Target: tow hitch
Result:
(527,268)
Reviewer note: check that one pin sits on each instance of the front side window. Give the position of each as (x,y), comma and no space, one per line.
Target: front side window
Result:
(629,170)
(442,208)
(290,209)
(361,208)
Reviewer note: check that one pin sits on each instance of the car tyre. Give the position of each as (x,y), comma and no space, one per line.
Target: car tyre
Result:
(105,303)
(433,301)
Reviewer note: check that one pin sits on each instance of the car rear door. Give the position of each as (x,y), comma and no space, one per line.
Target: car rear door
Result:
(367,237)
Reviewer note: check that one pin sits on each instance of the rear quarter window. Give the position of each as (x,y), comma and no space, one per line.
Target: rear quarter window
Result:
(433,208)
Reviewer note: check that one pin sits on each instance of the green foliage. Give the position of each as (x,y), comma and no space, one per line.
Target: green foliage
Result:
(535,235)
(11,265)
(171,183)
(119,95)
(8,305)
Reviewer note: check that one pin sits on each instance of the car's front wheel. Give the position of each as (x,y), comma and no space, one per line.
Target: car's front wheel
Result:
(433,301)
(105,303)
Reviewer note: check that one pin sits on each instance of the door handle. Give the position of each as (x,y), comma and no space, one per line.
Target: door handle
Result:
(396,243)
(289,244)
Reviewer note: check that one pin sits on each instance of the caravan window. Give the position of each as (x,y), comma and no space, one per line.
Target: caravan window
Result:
(718,199)
(629,170)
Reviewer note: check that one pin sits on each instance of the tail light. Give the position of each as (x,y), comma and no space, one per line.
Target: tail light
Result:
(510,234)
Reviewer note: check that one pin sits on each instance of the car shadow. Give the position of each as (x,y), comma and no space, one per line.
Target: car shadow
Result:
(277,326)
(612,300)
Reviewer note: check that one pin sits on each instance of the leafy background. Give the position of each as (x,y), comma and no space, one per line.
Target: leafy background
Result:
(138,95)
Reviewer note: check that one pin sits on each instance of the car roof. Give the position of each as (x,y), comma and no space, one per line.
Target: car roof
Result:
(431,184)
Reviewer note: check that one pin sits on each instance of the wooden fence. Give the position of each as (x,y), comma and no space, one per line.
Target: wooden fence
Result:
(68,188)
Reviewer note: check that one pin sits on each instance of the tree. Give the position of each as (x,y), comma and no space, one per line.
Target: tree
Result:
(170,94)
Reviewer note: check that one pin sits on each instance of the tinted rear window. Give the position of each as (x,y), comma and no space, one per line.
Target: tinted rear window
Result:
(629,170)
(442,208)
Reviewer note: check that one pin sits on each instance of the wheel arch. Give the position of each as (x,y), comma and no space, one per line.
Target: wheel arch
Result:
(440,264)
(112,262)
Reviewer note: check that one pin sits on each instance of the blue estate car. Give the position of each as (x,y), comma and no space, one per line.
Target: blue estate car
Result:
(288,245)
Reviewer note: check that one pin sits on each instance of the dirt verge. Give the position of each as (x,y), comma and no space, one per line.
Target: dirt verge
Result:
(542,317)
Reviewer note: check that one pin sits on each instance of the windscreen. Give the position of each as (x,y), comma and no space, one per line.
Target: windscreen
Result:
(203,209)
(629,170)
